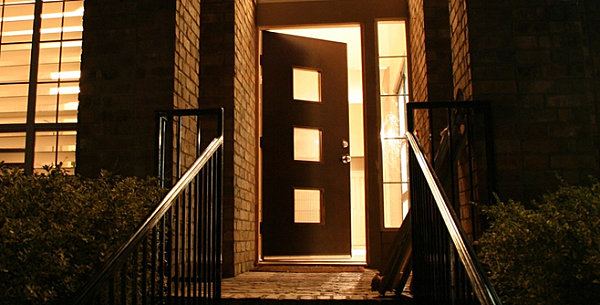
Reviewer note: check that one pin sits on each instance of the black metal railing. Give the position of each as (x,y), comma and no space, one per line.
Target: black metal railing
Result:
(175,255)
(445,268)
(458,139)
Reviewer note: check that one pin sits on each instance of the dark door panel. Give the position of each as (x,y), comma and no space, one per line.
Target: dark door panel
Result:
(327,179)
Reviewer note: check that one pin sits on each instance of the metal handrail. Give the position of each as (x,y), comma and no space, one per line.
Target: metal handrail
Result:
(151,221)
(481,285)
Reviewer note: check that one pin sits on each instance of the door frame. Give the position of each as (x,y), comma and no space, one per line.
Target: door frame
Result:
(280,14)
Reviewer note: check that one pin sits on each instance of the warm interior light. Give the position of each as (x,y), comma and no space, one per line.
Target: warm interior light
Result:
(76,13)
(65,75)
(64,90)
(67,29)
(71,106)
(17,33)
(65,44)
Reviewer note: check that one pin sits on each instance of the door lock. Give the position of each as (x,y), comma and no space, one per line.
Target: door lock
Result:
(346,159)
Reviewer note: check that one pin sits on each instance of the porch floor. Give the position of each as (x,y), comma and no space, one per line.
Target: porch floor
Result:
(304,285)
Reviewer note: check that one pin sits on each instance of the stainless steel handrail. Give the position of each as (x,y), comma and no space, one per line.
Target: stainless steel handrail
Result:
(481,285)
(152,219)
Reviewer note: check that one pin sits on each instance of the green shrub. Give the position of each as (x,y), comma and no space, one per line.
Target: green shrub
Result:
(547,252)
(56,228)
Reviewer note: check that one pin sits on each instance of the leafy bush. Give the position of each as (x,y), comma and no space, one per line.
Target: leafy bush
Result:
(547,252)
(56,228)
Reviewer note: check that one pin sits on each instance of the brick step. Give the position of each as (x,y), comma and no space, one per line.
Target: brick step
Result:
(258,301)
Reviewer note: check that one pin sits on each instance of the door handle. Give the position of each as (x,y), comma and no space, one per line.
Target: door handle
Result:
(346,159)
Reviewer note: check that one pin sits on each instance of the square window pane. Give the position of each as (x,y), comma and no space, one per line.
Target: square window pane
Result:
(71,52)
(54,147)
(307,144)
(14,62)
(391,36)
(392,75)
(307,206)
(57,102)
(307,85)
(17,24)
(13,103)
(12,148)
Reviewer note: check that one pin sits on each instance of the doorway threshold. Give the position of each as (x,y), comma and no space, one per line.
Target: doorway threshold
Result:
(358,257)
(311,260)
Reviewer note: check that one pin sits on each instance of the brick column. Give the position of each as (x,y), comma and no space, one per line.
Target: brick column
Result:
(127,74)
(228,79)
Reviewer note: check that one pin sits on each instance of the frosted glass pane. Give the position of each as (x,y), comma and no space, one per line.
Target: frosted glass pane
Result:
(307,206)
(307,144)
(307,85)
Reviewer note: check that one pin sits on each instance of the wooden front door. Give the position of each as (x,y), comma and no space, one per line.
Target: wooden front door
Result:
(305,147)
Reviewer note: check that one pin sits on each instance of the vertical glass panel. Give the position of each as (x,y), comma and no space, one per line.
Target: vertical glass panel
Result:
(393,90)
(13,103)
(307,144)
(307,206)
(17,24)
(396,197)
(14,62)
(12,148)
(49,60)
(392,75)
(52,21)
(391,37)
(73,20)
(53,147)
(307,85)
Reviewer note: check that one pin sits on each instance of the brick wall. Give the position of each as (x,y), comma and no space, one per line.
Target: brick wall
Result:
(227,79)
(186,73)
(127,74)
(418,75)
(431,67)
(245,149)
(461,59)
(532,60)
